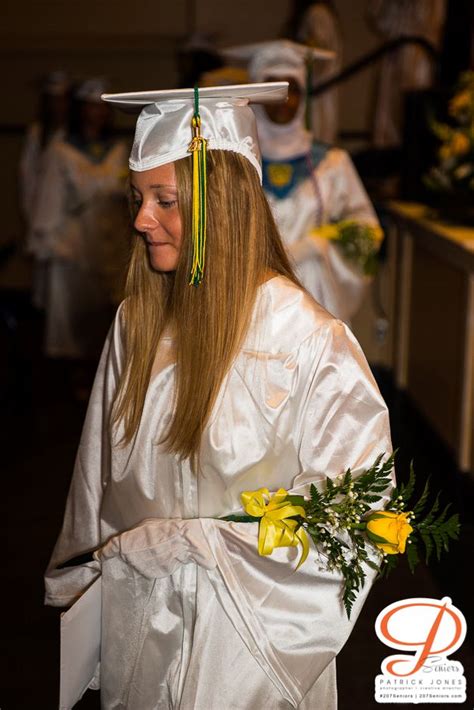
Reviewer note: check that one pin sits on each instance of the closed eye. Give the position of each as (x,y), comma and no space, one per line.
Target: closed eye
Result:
(167,204)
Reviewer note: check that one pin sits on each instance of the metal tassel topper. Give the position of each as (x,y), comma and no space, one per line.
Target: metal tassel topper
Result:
(198,148)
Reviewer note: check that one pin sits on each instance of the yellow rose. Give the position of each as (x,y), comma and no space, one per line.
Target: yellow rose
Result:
(389,530)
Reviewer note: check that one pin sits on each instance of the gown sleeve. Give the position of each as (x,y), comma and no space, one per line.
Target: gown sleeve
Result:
(349,199)
(351,202)
(331,278)
(294,621)
(81,531)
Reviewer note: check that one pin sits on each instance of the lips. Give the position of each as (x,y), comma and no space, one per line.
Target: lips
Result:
(157,244)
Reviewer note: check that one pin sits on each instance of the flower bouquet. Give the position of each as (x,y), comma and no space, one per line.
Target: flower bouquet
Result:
(358,242)
(346,530)
(452,179)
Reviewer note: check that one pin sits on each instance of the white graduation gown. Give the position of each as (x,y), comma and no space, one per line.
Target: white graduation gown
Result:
(193,617)
(78,230)
(31,167)
(335,282)
(31,171)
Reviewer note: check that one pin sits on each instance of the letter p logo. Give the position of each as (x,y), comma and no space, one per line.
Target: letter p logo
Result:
(429,627)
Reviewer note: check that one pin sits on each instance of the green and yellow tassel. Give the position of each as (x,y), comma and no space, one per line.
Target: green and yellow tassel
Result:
(198,148)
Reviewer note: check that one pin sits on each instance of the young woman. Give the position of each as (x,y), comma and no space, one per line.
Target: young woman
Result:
(205,391)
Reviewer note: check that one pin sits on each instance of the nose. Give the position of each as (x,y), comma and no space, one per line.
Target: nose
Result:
(145,221)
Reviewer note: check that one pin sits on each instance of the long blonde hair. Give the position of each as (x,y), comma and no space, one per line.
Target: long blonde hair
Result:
(209,321)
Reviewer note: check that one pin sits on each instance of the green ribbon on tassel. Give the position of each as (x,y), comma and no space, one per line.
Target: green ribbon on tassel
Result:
(309,62)
(198,148)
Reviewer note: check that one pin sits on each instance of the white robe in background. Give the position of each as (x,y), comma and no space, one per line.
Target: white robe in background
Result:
(32,167)
(336,194)
(31,172)
(193,617)
(78,231)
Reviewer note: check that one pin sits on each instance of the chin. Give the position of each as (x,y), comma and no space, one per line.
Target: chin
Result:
(163,259)
(161,265)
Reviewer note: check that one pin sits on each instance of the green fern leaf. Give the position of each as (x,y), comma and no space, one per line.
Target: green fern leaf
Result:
(412,556)
(428,544)
(420,504)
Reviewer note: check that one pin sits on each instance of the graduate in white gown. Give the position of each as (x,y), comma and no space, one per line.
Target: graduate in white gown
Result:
(235,382)
(75,227)
(309,185)
(50,126)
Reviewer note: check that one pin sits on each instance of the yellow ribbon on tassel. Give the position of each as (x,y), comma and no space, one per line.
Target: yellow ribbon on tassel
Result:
(277,528)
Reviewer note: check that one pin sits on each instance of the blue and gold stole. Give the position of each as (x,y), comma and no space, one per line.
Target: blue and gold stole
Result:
(281,177)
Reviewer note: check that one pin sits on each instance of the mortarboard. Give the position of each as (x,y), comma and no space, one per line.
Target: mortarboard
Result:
(280,57)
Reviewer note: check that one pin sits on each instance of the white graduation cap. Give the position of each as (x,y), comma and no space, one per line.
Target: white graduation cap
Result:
(276,58)
(177,123)
(164,128)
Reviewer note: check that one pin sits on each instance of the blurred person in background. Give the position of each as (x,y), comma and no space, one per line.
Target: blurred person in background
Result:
(50,125)
(77,230)
(321,208)
(200,62)
(319,27)
(196,56)
(410,67)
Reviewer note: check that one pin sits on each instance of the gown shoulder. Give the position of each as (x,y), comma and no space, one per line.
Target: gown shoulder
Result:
(285,316)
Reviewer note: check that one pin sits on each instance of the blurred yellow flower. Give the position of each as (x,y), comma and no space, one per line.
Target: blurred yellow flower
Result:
(377,233)
(326,231)
(459,102)
(445,152)
(460,143)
